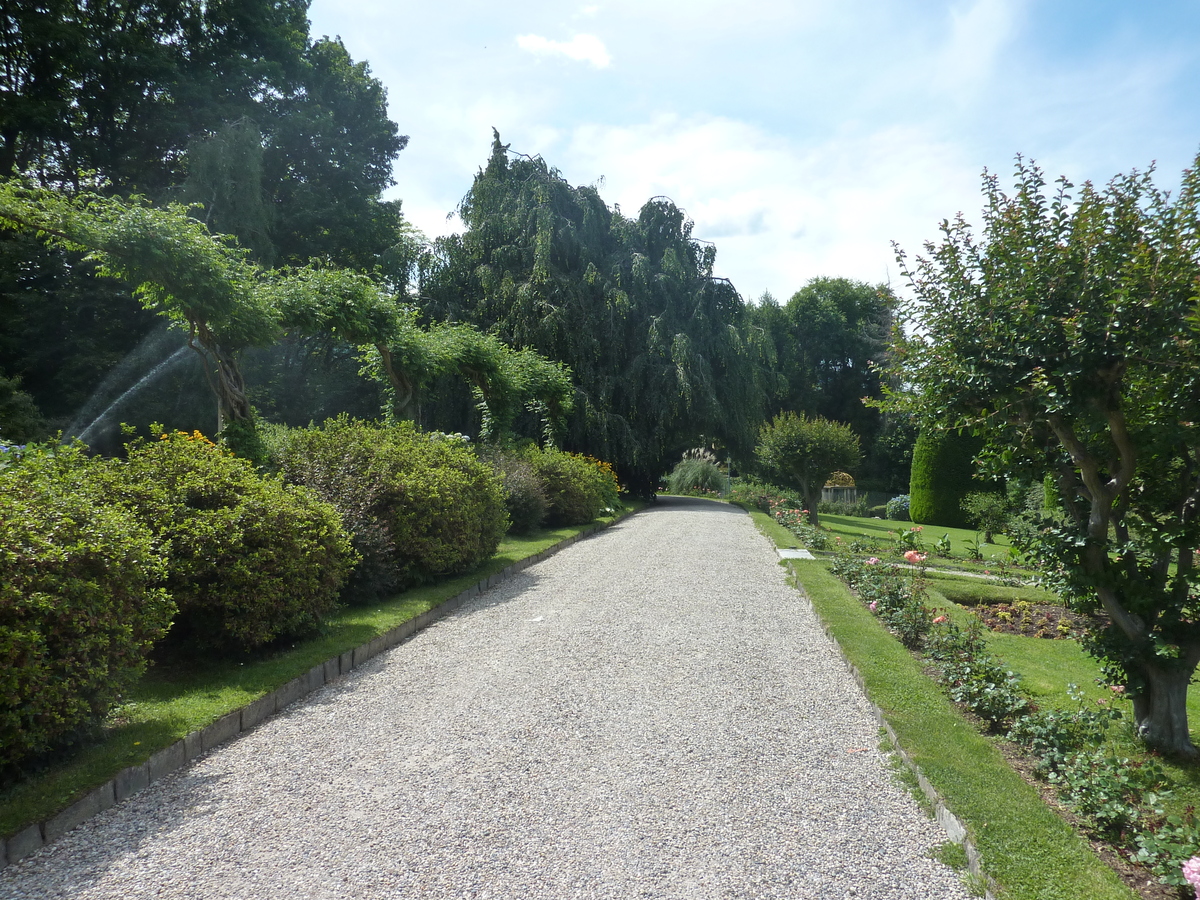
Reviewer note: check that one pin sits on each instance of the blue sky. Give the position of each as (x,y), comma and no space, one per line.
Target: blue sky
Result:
(801,137)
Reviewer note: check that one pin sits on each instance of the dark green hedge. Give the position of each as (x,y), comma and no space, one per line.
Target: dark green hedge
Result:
(943,470)
(419,505)
(250,560)
(578,488)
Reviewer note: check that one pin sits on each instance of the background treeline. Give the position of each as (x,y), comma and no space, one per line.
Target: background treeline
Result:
(285,144)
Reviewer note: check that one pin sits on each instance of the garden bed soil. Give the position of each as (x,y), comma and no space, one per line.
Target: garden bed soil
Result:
(1037,620)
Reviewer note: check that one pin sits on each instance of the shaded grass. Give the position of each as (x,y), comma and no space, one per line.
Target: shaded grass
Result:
(179,696)
(1031,852)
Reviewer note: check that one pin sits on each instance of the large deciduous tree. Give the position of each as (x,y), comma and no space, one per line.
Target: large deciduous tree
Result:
(802,452)
(284,141)
(631,305)
(1060,335)
(827,341)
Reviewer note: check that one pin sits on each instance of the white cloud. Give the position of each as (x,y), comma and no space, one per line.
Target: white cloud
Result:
(781,212)
(582,47)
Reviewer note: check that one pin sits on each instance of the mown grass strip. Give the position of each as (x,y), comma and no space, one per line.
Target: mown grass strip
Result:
(172,701)
(1026,847)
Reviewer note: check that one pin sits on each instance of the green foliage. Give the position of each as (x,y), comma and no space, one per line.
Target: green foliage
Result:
(578,488)
(20,419)
(418,505)
(80,599)
(898,598)
(986,511)
(1110,790)
(630,305)
(250,559)
(972,677)
(897,508)
(943,473)
(1169,843)
(1063,337)
(696,475)
(524,493)
(824,343)
(1052,736)
(802,453)
(754,493)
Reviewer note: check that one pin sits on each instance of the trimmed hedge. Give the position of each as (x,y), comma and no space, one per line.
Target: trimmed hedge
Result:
(418,505)
(250,560)
(943,473)
(524,493)
(578,488)
(80,601)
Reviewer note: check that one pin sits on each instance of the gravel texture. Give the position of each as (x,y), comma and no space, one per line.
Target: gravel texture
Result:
(651,713)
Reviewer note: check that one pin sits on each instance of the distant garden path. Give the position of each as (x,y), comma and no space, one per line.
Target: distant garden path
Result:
(650,713)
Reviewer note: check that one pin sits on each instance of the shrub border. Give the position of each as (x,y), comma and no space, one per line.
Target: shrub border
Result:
(130,780)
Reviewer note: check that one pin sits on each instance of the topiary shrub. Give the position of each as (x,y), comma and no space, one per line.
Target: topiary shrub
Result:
(578,488)
(524,493)
(943,473)
(419,505)
(80,600)
(250,559)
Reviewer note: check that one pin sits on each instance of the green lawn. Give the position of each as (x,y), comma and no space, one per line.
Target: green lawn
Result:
(176,698)
(885,533)
(1030,851)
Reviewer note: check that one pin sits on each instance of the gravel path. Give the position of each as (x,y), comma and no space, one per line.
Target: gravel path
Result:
(651,713)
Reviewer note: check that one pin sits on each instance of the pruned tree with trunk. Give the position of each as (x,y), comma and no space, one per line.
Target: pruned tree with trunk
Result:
(1062,337)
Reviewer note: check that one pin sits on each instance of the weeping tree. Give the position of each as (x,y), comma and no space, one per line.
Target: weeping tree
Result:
(226,303)
(1061,337)
(630,305)
(203,282)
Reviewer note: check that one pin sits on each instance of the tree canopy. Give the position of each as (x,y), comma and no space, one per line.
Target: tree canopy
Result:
(1061,336)
(802,452)
(225,302)
(283,140)
(630,305)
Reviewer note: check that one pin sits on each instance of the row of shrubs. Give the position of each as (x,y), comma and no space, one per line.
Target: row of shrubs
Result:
(1075,749)
(101,558)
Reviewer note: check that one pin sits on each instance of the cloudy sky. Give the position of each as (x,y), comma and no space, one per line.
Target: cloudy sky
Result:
(802,137)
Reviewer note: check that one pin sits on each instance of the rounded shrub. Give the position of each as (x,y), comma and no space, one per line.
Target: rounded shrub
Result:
(578,488)
(943,473)
(524,493)
(250,559)
(897,508)
(418,505)
(80,599)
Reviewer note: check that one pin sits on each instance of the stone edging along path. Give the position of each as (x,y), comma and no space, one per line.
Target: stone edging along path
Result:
(133,779)
(955,830)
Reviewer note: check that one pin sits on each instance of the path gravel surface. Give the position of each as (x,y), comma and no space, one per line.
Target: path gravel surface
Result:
(651,713)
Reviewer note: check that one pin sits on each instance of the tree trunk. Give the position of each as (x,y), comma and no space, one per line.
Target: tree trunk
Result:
(224,377)
(1160,713)
(403,390)
(812,499)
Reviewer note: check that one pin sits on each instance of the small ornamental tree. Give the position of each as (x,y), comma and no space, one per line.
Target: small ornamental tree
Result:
(1061,336)
(802,453)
